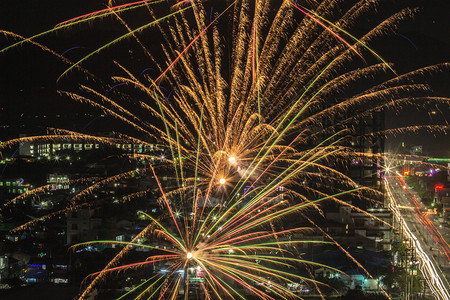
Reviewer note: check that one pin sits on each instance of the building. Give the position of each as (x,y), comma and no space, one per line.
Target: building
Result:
(83,225)
(58,181)
(45,149)
(442,197)
(13,187)
(364,230)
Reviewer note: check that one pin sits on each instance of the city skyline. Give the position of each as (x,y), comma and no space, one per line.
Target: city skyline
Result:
(214,148)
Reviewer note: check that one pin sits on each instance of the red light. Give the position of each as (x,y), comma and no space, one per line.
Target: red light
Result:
(405,173)
(439,186)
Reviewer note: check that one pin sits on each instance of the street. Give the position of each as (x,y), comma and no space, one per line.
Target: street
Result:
(424,234)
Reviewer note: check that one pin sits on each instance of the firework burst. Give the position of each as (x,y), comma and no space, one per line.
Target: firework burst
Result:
(257,105)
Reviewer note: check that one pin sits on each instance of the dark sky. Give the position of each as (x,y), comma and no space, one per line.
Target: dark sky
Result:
(28,77)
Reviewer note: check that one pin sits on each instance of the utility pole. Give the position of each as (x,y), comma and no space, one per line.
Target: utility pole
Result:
(423,287)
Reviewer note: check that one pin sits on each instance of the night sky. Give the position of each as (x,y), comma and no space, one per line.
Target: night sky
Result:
(28,76)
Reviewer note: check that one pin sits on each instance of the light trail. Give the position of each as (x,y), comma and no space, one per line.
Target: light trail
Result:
(427,268)
(264,93)
(422,218)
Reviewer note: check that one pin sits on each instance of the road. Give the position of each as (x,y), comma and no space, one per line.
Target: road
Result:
(413,220)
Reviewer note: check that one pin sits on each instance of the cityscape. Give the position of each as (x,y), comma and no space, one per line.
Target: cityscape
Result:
(241,149)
